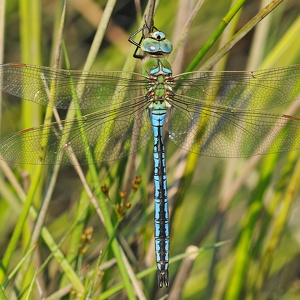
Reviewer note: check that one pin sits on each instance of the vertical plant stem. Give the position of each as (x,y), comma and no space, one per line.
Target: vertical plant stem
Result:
(30,52)
(259,41)
(48,117)
(2,28)
(27,24)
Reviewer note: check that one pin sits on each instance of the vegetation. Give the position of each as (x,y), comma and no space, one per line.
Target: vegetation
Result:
(94,239)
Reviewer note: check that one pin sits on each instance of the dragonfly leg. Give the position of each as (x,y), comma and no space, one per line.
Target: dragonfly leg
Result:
(138,45)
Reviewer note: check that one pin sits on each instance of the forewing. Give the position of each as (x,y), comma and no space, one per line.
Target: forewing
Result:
(245,90)
(65,89)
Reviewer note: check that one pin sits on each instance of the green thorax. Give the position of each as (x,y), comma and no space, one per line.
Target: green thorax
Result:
(156,66)
(159,72)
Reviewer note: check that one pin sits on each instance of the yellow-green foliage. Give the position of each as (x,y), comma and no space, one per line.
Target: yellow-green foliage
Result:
(241,214)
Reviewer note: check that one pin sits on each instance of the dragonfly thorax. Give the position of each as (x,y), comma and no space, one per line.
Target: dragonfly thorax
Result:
(157,66)
(160,82)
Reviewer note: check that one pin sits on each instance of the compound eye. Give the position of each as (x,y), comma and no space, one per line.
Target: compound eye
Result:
(158,35)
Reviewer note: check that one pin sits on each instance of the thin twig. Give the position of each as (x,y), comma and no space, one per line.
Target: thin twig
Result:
(149,16)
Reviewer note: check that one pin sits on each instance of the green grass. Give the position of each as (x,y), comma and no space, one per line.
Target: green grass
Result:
(240,214)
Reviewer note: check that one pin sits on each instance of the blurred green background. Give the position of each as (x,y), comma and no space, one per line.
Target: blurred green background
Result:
(250,204)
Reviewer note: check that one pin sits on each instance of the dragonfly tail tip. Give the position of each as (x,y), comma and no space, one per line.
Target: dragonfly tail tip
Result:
(163,278)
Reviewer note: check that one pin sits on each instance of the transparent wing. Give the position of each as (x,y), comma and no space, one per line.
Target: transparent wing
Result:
(245,90)
(107,135)
(69,89)
(220,131)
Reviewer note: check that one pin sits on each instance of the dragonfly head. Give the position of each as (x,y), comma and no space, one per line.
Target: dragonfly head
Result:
(156,44)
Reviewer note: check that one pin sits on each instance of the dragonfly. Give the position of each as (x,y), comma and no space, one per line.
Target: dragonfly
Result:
(206,112)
